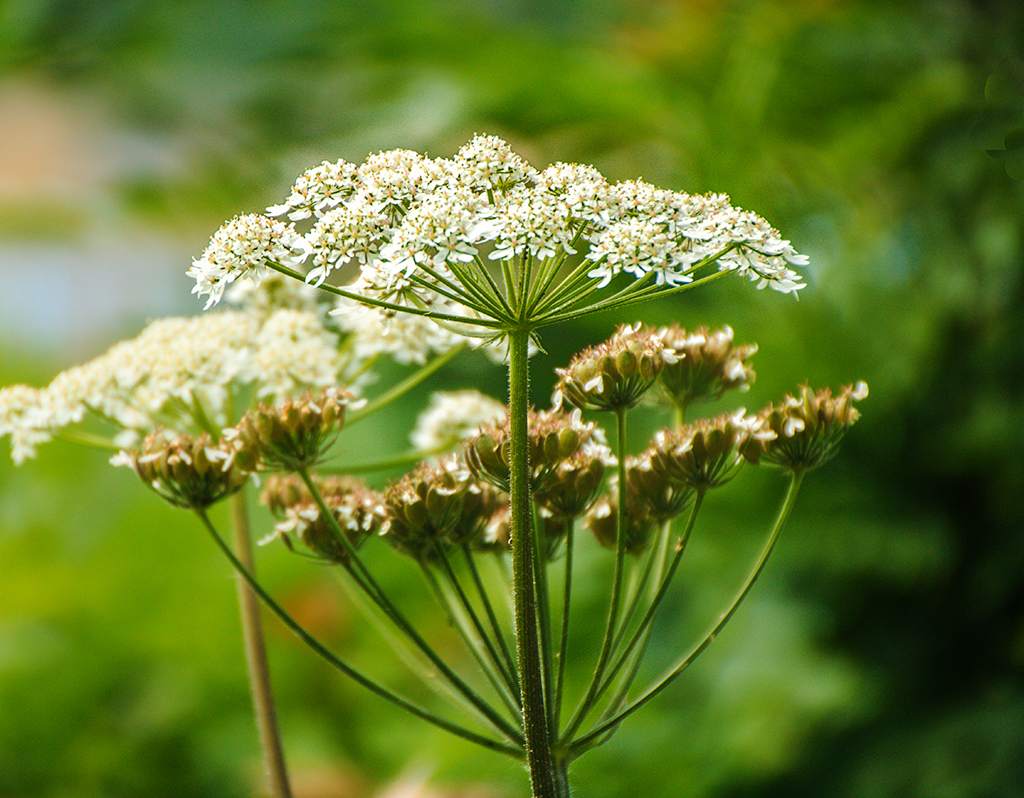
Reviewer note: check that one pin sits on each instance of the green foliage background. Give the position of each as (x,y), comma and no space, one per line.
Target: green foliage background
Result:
(883,652)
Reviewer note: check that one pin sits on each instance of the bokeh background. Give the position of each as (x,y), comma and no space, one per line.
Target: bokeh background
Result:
(881,655)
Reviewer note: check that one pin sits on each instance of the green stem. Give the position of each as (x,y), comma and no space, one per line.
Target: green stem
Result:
(498,679)
(464,293)
(376,303)
(256,658)
(481,268)
(325,653)
(482,292)
(642,633)
(590,739)
(637,292)
(563,646)
(539,297)
(407,460)
(510,286)
(540,580)
(474,618)
(88,439)
(538,747)
(634,595)
(572,303)
(569,287)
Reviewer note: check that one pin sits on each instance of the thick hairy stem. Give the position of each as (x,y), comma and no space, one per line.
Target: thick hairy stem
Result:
(538,743)
(256,658)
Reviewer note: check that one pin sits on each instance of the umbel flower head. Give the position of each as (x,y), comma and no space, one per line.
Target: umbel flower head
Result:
(242,248)
(355,510)
(436,505)
(602,521)
(698,456)
(616,374)
(421,232)
(663,498)
(803,431)
(189,472)
(181,373)
(554,438)
(291,436)
(573,484)
(707,365)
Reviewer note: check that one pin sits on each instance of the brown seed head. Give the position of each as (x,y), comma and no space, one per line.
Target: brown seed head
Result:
(602,521)
(708,364)
(699,456)
(554,437)
(355,509)
(292,435)
(616,374)
(187,471)
(804,431)
(435,505)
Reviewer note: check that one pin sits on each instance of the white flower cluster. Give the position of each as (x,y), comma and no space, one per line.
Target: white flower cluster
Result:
(242,248)
(178,373)
(403,215)
(453,417)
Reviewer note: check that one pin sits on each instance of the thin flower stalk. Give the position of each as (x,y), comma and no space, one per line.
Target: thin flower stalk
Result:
(495,658)
(544,622)
(634,649)
(459,731)
(460,616)
(362,576)
(593,736)
(563,645)
(256,657)
(492,619)
(390,306)
(592,694)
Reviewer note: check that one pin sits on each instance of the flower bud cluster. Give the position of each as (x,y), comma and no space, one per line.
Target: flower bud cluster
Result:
(616,374)
(355,510)
(438,505)
(663,498)
(602,521)
(708,364)
(574,483)
(289,436)
(698,456)
(554,438)
(189,472)
(803,432)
